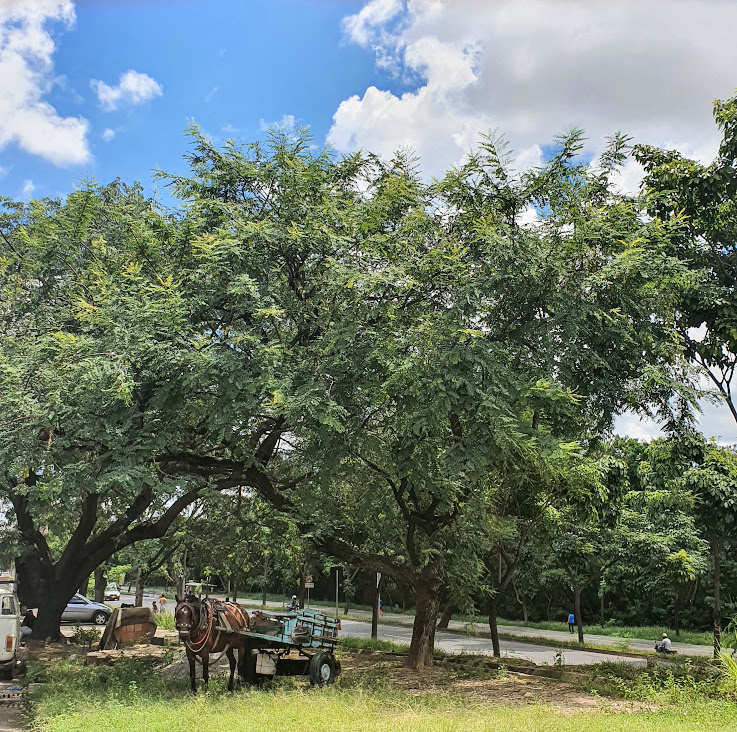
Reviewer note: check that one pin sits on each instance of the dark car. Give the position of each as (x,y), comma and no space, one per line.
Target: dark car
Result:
(82,610)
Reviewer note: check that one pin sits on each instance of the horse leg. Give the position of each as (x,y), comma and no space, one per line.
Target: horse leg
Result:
(192,678)
(230,653)
(205,668)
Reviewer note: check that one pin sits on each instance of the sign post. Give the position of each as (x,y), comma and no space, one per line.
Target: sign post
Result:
(309,584)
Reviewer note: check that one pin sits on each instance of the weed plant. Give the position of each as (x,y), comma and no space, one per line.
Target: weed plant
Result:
(682,683)
(166,621)
(351,643)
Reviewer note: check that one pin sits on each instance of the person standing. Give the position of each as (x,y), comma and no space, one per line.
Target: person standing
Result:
(571,622)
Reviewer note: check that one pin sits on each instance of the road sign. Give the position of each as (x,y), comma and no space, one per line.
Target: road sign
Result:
(309,584)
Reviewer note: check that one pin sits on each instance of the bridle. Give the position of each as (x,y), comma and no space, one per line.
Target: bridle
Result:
(205,611)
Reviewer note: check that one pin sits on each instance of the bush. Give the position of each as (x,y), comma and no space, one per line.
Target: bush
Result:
(86,636)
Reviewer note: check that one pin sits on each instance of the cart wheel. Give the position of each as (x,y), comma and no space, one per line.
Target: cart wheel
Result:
(322,669)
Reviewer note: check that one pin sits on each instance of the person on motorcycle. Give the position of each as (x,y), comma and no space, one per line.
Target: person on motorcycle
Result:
(664,646)
(293,605)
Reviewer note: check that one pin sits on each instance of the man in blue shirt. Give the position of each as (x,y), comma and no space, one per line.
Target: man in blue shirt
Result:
(571,622)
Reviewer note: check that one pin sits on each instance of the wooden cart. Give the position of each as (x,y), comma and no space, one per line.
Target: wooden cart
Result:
(300,643)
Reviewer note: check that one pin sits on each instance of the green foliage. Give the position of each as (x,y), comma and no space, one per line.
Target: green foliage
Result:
(702,201)
(728,669)
(165,620)
(86,636)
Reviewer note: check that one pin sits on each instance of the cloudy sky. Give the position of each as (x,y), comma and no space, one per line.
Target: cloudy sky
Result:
(105,88)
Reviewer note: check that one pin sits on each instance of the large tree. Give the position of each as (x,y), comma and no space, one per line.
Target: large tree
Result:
(147,359)
(701,201)
(93,377)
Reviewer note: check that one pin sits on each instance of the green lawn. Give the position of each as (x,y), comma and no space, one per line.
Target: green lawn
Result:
(359,711)
(645,632)
(129,697)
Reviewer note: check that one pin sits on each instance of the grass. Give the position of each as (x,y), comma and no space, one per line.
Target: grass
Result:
(130,696)
(643,632)
(292,711)
(371,644)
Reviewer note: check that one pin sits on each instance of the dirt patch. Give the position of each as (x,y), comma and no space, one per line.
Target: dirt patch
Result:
(496,687)
(46,652)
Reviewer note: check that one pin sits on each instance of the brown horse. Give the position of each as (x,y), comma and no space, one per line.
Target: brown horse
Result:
(198,621)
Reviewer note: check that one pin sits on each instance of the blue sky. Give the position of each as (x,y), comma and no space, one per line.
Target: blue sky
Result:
(105,88)
(229,66)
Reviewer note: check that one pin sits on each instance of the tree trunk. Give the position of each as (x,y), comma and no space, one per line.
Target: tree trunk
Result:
(375,607)
(601,608)
(100,584)
(522,601)
(577,611)
(492,602)
(426,594)
(447,614)
(42,586)
(139,587)
(265,580)
(715,552)
(48,622)
(349,589)
(677,609)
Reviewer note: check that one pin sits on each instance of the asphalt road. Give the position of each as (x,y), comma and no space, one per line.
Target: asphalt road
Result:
(456,643)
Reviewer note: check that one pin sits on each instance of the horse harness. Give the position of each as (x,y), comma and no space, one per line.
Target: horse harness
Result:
(208,609)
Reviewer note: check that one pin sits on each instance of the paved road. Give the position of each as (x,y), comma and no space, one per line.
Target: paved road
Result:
(456,643)
(562,636)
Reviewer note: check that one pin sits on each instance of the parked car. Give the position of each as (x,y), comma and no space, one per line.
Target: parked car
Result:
(83,610)
(9,629)
(112,592)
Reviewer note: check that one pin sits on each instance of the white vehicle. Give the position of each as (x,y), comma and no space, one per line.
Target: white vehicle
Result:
(10,621)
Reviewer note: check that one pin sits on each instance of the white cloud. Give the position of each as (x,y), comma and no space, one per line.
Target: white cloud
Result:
(287,122)
(28,187)
(108,134)
(26,75)
(133,88)
(532,68)
(715,420)
(209,96)
(363,27)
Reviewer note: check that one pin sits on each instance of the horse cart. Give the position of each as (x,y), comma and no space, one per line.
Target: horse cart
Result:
(295,643)
(299,643)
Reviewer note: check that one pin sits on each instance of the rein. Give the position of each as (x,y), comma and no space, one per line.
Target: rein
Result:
(203,641)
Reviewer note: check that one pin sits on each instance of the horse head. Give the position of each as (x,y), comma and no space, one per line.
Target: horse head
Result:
(187,617)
